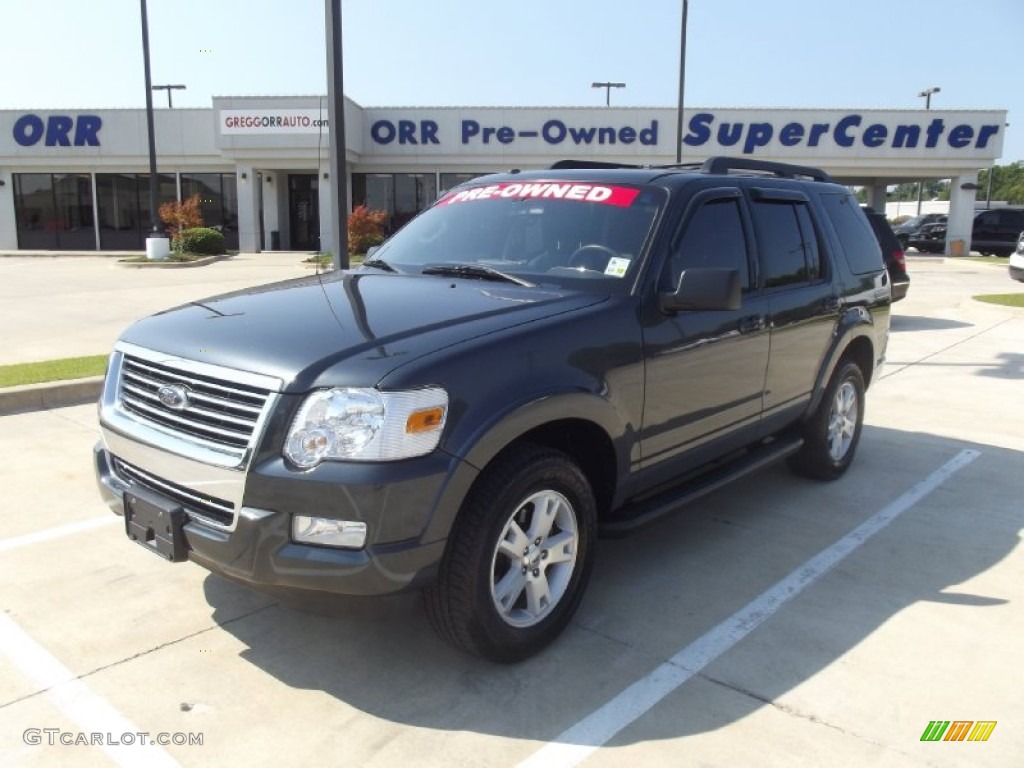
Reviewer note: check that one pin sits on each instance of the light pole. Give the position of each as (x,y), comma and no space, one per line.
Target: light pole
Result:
(682,83)
(338,174)
(157,246)
(168,88)
(926,94)
(607,90)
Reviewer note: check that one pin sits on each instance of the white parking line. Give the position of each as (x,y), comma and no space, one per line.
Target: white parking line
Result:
(59,531)
(76,700)
(598,728)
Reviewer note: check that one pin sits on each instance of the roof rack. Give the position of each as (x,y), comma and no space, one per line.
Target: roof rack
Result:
(717,165)
(783,170)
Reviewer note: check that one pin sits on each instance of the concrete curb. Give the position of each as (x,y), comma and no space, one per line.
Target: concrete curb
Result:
(167,264)
(52,394)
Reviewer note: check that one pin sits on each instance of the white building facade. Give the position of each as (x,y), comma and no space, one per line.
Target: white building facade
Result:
(78,179)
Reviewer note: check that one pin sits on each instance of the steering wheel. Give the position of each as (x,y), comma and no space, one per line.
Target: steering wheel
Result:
(592,256)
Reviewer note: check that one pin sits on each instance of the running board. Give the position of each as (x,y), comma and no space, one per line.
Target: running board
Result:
(633,517)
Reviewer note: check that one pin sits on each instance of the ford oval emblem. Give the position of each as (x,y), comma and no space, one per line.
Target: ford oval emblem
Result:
(173,396)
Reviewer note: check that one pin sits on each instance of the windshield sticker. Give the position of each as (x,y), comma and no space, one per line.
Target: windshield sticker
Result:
(584,193)
(617,267)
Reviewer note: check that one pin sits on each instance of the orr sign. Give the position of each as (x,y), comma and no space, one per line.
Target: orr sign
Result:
(58,130)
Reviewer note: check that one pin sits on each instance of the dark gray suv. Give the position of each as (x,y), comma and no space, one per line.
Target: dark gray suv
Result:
(537,358)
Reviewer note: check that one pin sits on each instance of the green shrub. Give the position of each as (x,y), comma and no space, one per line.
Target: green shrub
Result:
(204,240)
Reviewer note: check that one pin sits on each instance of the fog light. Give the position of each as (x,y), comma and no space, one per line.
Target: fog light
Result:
(325,532)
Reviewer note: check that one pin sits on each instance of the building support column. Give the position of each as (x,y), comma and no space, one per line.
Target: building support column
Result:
(961,213)
(248,210)
(876,196)
(8,222)
(325,186)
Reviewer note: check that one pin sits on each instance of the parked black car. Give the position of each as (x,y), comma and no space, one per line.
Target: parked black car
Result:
(930,238)
(910,228)
(993,233)
(892,252)
(536,357)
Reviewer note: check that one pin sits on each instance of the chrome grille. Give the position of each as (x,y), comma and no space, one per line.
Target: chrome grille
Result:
(218,412)
(207,508)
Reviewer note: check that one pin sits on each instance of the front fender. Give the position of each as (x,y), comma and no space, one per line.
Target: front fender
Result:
(486,443)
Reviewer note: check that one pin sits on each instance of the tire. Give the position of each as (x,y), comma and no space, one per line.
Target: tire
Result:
(519,556)
(831,435)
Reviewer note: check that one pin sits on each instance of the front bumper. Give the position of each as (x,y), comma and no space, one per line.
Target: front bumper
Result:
(397,501)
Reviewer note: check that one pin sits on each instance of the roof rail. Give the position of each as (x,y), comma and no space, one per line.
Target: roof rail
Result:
(782,170)
(582,164)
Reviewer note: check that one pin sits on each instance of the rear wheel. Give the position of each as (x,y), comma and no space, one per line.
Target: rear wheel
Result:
(832,433)
(519,556)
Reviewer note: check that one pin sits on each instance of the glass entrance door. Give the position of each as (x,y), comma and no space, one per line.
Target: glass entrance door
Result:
(304,212)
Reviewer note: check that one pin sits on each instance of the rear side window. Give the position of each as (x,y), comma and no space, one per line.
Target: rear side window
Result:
(712,238)
(787,243)
(856,237)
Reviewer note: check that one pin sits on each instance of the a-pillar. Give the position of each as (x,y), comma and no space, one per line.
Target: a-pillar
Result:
(961,214)
(248,210)
(876,197)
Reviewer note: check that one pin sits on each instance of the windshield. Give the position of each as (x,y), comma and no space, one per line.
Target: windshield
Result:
(539,232)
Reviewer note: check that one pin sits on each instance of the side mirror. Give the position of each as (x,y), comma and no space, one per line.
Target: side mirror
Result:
(703,288)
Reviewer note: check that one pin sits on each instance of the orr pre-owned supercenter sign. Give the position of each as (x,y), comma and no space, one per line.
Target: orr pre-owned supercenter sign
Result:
(708,131)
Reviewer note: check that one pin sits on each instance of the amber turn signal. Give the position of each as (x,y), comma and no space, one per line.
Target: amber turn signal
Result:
(426,420)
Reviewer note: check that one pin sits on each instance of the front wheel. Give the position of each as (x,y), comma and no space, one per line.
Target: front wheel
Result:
(519,556)
(832,433)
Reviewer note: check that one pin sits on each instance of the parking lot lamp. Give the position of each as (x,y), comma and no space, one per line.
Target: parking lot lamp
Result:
(926,94)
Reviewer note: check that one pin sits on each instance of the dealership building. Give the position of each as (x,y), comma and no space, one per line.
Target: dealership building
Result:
(78,180)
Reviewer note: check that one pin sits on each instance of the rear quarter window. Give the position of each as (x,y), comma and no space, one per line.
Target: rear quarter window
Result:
(856,238)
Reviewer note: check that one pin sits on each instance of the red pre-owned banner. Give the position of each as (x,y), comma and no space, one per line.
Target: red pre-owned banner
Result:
(545,190)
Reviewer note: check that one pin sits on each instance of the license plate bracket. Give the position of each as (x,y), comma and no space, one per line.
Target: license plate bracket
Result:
(156,524)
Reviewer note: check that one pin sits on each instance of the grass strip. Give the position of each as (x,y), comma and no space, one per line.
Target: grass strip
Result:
(1004,299)
(52,370)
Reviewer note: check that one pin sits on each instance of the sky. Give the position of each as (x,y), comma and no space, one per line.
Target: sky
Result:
(79,54)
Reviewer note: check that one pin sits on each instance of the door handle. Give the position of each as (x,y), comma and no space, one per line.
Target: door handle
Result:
(752,323)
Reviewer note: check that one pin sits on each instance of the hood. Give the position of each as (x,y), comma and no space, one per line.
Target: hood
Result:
(360,325)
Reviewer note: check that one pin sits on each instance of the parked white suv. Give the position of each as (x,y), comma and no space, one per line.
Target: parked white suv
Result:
(1017,260)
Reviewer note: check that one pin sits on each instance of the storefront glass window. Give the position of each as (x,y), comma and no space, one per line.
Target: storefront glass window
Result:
(449,180)
(54,211)
(123,203)
(35,211)
(73,194)
(413,193)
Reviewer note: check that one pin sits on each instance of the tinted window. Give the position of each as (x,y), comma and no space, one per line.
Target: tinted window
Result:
(856,237)
(713,238)
(1012,219)
(788,253)
(987,219)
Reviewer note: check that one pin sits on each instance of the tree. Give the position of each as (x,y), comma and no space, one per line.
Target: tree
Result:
(1007,183)
(181,216)
(365,229)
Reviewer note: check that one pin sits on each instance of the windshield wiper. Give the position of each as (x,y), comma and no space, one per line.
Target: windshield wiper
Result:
(379,264)
(474,270)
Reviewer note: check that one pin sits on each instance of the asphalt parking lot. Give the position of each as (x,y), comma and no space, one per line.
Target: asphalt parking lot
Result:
(779,622)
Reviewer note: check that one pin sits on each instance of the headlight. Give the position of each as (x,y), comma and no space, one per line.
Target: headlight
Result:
(366,425)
